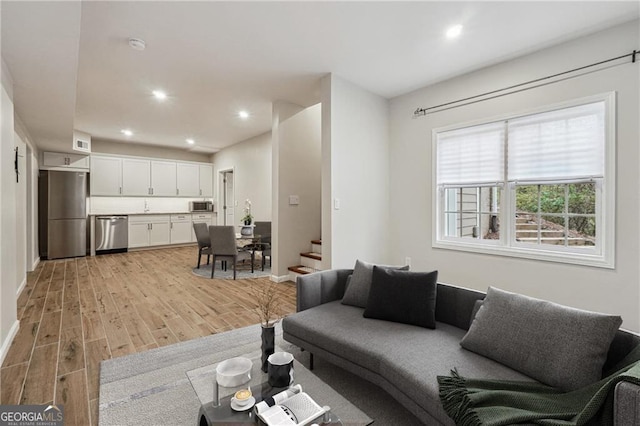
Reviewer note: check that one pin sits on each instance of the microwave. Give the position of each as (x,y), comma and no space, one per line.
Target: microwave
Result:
(201,206)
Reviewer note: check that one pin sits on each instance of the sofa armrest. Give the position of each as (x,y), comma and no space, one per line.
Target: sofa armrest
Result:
(321,287)
(626,406)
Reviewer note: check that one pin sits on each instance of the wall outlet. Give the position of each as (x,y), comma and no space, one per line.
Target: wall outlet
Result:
(407,261)
(336,203)
(294,200)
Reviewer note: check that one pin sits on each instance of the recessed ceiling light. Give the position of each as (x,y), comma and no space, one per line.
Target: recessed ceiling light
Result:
(454,31)
(190,141)
(126,132)
(137,43)
(160,95)
(243,114)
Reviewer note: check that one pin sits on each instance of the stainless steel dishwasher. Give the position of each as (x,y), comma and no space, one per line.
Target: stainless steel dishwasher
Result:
(112,233)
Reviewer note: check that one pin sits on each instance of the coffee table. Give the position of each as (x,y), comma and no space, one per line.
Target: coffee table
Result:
(203,382)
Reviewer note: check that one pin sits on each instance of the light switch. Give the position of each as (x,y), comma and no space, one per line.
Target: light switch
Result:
(336,203)
(294,200)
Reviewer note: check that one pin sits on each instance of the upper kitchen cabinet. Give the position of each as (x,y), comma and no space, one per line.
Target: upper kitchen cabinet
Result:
(148,177)
(106,176)
(163,179)
(61,161)
(136,177)
(206,180)
(188,180)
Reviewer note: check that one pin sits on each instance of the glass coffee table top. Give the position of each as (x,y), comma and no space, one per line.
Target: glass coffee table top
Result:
(203,382)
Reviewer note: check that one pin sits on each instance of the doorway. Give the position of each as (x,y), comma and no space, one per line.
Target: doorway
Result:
(228,197)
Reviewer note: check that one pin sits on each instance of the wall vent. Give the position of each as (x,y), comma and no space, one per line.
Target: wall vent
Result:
(81,142)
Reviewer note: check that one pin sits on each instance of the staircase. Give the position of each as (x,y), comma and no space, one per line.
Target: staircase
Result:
(550,233)
(309,262)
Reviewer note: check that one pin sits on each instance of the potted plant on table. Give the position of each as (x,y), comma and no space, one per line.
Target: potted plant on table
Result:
(270,312)
(247,220)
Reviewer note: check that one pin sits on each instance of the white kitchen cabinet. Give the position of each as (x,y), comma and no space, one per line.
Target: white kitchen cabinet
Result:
(136,177)
(61,160)
(180,228)
(206,180)
(188,179)
(200,218)
(163,178)
(106,176)
(138,234)
(160,233)
(149,230)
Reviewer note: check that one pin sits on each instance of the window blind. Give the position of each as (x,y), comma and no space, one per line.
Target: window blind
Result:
(556,145)
(472,155)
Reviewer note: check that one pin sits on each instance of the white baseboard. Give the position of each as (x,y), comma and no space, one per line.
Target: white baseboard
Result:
(21,287)
(280,279)
(35,264)
(7,342)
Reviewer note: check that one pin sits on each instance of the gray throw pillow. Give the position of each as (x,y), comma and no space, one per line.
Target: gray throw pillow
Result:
(474,311)
(357,292)
(554,344)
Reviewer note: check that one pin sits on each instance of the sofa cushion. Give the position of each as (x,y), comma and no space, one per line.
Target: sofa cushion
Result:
(408,357)
(403,296)
(357,292)
(415,357)
(557,345)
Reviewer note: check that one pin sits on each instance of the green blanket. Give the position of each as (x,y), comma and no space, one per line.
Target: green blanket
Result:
(471,402)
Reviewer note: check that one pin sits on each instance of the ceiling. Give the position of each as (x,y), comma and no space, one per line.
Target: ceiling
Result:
(73,68)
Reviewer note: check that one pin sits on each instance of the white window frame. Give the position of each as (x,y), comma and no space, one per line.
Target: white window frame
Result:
(602,255)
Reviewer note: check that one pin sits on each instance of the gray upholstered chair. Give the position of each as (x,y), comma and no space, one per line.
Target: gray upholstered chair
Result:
(223,247)
(263,230)
(204,241)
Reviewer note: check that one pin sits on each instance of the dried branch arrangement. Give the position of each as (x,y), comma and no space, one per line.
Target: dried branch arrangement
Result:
(269,303)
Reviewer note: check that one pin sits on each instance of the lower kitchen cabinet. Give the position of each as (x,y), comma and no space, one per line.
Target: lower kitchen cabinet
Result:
(180,228)
(149,230)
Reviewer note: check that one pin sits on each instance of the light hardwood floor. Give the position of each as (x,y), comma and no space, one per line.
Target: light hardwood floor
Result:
(74,313)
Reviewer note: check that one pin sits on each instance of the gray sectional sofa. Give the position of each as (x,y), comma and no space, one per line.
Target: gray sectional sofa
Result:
(405,359)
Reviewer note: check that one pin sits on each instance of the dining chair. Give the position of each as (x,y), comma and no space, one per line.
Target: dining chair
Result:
(204,241)
(263,229)
(223,247)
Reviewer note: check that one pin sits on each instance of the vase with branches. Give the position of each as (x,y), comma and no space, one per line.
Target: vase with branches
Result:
(270,312)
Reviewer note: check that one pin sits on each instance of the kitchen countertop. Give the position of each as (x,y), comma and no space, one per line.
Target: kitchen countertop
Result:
(145,213)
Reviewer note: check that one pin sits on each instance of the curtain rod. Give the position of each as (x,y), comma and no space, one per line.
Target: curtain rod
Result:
(430,110)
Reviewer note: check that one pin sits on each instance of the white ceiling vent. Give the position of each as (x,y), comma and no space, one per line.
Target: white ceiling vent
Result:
(81,142)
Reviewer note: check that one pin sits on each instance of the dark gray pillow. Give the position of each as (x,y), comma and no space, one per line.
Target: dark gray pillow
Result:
(554,344)
(403,296)
(357,292)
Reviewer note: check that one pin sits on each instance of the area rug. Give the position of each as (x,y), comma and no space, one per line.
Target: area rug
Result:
(244,272)
(152,387)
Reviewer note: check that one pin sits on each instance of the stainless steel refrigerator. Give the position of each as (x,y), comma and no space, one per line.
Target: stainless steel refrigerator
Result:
(62,207)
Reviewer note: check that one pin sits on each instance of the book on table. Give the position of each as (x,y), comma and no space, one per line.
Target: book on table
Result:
(291,407)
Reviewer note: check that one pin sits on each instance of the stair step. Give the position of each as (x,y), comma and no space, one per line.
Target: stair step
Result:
(302,270)
(557,241)
(312,255)
(526,226)
(523,233)
(318,242)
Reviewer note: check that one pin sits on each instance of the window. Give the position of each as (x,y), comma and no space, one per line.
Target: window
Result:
(537,185)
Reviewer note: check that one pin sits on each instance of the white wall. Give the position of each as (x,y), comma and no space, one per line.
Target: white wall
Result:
(299,173)
(8,287)
(29,175)
(21,215)
(355,156)
(251,164)
(613,291)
